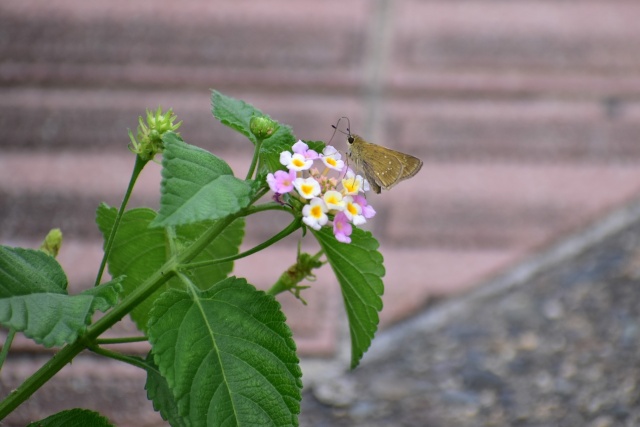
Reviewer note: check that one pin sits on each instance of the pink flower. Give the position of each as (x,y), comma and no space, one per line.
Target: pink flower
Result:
(302,148)
(367,210)
(281,182)
(353,211)
(342,228)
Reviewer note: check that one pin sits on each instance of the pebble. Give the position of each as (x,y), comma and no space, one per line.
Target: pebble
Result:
(338,392)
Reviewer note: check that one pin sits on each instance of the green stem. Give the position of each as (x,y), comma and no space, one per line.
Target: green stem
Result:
(259,194)
(254,160)
(270,206)
(278,287)
(293,226)
(7,345)
(149,286)
(131,360)
(317,256)
(137,168)
(124,340)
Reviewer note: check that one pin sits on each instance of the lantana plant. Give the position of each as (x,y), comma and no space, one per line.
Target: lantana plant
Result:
(220,352)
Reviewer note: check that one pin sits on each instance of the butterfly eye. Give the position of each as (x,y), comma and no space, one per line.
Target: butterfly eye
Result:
(350,139)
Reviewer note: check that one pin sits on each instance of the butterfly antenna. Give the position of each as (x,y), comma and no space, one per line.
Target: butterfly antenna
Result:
(336,127)
(348,124)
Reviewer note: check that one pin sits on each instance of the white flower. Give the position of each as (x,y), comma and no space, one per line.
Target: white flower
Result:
(314,214)
(353,211)
(295,162)
(333,200)
(307,187)
(332,158)
(353,183)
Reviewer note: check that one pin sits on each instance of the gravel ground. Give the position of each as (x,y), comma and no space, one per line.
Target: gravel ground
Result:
(561,349)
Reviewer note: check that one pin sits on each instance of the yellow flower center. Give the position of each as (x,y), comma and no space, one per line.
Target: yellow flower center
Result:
(298,163)
(307,188)
(331,161)
(316,212)
(353,210)
(351,185)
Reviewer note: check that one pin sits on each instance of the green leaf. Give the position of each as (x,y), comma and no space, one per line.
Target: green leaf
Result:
(53,319)
(228,356)
(139,251)
(234,113)
(197,186)
(317,146)
(105,295)
(27,271)
(282,140)
(73,418)
(160,394)
(237,115)
(359,269)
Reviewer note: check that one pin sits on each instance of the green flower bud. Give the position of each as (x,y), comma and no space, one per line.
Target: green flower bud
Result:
(148,142)
(263,127)
(52,243)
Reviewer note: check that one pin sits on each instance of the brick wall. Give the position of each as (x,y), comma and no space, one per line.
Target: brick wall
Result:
(525,113)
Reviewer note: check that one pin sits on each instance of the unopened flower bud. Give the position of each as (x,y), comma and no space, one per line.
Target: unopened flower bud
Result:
(263,127)
(148,142)
(52,242)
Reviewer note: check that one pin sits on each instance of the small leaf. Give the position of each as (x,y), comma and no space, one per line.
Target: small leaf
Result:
(282,140)
(359,269)
(53,319)
(197,186)
(234,113)
(237,115)
(139,251)
(228,356)
(73,418)
(27,271)
(160,394)
(316,146)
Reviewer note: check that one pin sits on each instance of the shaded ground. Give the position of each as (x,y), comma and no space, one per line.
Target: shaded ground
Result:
(561,349)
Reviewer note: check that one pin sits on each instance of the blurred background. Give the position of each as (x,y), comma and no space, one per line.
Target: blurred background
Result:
(526,115)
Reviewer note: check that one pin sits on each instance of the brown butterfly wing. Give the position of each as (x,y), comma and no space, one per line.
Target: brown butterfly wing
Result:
(390,167)
(411,165)
(382,167)
(382,171)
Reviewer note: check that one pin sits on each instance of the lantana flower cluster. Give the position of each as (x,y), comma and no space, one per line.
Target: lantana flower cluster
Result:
(332,201)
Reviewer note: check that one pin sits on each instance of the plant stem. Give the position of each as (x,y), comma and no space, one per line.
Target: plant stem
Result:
(254,160)
(137,168)
(124,340)
(131,360)
(7,344)
(259,194)
(293,226)
(270,206)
